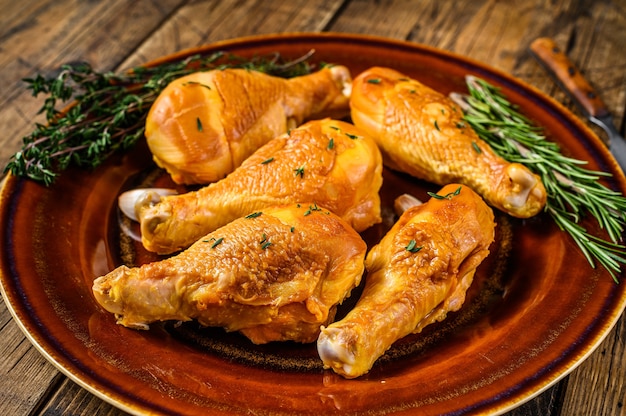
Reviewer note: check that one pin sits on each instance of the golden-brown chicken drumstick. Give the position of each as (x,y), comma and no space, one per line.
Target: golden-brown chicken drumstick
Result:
(327,162)
(421,132)
(274,275)
(204,125)
(419,271)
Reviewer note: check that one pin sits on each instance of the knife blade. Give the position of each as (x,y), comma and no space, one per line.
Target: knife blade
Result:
(558,65)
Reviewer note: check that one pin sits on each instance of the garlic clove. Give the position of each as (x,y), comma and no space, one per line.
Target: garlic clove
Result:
(131,202)
(404,202)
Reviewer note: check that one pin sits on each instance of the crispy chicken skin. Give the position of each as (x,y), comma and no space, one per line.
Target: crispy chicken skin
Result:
(274,276)
(419,271)
(420,132)
(328,162)
(204,125)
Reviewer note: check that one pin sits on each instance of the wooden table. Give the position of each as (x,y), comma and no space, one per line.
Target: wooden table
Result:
(37,36)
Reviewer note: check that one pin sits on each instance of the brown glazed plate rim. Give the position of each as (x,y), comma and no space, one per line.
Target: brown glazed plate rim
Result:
(535,312)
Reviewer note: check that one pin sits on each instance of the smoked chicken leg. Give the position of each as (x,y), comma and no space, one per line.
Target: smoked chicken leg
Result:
(204,125)
(328,162)
(421,132)
(419,271)
(273,275)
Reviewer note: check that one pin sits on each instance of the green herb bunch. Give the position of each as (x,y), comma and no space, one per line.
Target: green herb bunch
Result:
(574,192)
(106,112)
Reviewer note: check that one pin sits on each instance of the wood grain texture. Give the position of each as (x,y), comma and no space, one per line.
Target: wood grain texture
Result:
(207,21)
(43,35)
(604,370)
(37,36)
(23,369)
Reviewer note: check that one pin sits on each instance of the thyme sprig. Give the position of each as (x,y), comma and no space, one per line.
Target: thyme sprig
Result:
(105,112)
(574,192)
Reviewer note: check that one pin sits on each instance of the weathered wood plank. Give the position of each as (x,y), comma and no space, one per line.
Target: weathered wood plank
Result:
(71,399)
(604,371)
(392,18)
(207,21)
(23,369)
(101,33)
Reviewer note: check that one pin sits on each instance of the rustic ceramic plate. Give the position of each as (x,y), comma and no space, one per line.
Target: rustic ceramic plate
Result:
(535,311)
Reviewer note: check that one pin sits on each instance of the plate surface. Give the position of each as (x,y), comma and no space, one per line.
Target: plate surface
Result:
(535,311)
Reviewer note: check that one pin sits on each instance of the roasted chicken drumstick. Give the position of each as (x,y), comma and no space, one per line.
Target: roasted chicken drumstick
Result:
(419,271)
(204,125)
(421,132)
(273,275)
(328,162)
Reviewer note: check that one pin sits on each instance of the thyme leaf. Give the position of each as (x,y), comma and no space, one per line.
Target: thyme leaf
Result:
(217,242)
(448,196)
(105,112)
(412,247)
(299,171)
(312,208)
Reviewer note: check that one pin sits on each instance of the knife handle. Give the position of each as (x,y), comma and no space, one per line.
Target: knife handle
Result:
(559,65)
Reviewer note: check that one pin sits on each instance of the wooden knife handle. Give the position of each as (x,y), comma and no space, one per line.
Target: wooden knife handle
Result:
(555,60)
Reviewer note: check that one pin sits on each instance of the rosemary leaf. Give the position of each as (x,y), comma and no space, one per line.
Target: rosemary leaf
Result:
(574,192)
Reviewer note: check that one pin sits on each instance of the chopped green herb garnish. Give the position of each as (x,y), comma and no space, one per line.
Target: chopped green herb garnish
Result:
(312,208)
(217,242)
(199,123)
(185,84)
(331,143)
(299,171)
(476,147)
(373,81)
(254,214)
(266,161)
(412,247)
(449,195)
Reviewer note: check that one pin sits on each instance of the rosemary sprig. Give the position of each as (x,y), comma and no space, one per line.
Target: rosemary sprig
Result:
(573,191)
(107,111)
